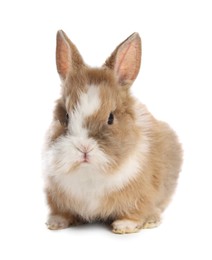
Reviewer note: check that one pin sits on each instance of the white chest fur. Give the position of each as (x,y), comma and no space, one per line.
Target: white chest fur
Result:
(87,185)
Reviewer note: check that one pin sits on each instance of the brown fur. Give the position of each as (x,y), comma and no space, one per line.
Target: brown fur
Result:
(147,195)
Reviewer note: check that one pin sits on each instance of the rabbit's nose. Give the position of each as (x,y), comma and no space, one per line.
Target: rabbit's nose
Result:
(85,148)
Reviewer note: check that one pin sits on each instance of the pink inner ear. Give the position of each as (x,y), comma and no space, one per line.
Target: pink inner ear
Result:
(62,55)
(128,59)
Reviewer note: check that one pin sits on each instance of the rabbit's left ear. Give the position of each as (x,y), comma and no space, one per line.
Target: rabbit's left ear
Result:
(126,59)
(68,58)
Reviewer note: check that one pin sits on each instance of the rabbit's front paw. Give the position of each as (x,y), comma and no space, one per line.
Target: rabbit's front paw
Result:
(125,226)
(57,222)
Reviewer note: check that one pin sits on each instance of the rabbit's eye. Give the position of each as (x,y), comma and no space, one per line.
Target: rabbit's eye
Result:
(67,117)
(110,119)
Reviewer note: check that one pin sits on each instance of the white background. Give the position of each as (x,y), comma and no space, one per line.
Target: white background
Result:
(174,82)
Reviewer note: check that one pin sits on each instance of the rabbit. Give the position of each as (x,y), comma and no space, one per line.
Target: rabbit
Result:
(106,158)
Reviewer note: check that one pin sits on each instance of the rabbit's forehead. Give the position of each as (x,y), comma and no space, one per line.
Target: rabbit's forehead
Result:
(87,102)
(90,99)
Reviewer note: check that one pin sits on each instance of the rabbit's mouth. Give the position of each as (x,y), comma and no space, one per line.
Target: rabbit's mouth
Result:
(86,159)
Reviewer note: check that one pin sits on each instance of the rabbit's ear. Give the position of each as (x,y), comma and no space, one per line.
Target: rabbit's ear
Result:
(126,60)
(67,56)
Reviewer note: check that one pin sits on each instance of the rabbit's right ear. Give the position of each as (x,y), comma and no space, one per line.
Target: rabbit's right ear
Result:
(67,56)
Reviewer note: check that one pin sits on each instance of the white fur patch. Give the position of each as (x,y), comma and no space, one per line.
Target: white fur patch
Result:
(63,156)
(89,102)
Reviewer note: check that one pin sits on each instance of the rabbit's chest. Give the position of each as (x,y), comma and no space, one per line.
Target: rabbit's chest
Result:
(86,191)
(87,187)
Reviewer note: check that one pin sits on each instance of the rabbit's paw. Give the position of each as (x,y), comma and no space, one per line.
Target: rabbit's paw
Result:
(57,222)
(152,222)
(125,226)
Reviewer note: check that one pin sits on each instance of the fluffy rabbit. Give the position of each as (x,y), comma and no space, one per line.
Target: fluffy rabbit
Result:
(106,158)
